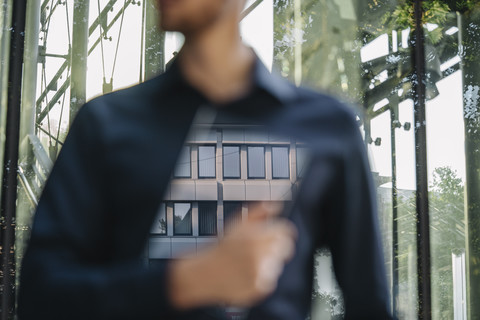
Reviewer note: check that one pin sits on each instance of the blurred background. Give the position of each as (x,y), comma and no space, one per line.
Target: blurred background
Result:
(409,68)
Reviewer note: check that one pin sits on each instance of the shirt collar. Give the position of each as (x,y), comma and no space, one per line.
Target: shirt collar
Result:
(273,84)
(276,86)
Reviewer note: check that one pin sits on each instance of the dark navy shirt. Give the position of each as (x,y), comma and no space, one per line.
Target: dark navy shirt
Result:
(94,216)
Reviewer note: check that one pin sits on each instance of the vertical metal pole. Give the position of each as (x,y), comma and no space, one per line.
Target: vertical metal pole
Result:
(423,225)
(154,42)
(78,79)
(4,50)
(393,126)
(142,43)
(30,73)
(469,35)
(9,183)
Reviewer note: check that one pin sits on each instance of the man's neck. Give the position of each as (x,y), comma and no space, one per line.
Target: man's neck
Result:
(217,63)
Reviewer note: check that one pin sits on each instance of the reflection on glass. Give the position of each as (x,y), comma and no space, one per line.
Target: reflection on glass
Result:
(361,51)
(301,160)
(469,35)
(183,167)
(182,219)
(446,169)
(207,218)
(231,162)
(49,100)
(357,49)
(159,225)
(256,162)
(232,214)
(280,163)
(206,162)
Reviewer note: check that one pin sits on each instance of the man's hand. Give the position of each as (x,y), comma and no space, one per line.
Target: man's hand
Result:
(242,270)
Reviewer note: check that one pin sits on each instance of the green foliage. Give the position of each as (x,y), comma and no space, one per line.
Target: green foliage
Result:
(446,183)
(447,235)
(447,210)
(461,5)
(403,17)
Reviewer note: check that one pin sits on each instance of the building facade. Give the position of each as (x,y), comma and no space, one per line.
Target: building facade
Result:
(220,171)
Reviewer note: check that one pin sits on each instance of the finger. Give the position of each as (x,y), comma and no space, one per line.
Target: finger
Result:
(284,239)
(264,210)
(285,228)
(284,248)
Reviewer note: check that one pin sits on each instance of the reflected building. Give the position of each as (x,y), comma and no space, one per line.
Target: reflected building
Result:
(220,171)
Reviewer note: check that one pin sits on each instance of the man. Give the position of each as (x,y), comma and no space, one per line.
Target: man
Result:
(102,195)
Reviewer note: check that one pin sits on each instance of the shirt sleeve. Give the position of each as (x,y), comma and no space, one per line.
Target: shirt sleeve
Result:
(353,235)
(67,272)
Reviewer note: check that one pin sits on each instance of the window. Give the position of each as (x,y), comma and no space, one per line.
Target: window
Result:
(256,162)
(206,162)
(301,159)
(232,214)
(159,225)
(231,162)
(182,219)
(207,218)
(280,163)
(182,169)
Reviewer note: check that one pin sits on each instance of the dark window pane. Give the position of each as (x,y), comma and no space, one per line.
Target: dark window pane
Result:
(280,162)
(207,218)
(182,169)
(232,214)
(301,159)
(231,162)
(182,215)
(206,162)
(256,162)
(159,225)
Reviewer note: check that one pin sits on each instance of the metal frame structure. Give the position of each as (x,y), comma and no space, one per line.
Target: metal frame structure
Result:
(152,61)
(9,183)
(423,225)
(412,59)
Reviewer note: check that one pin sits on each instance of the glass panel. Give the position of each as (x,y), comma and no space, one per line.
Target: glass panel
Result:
(231,162)
(256,162)
(357,49)
(5,34)
(452,144)
(232,214)
(159,225)
(183,167)
(404,223)
(182,216)
(469,35)
(280,162)
(361,51)
(301,160)
(206,162)
(207,218)
(5,254)
(55,85)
